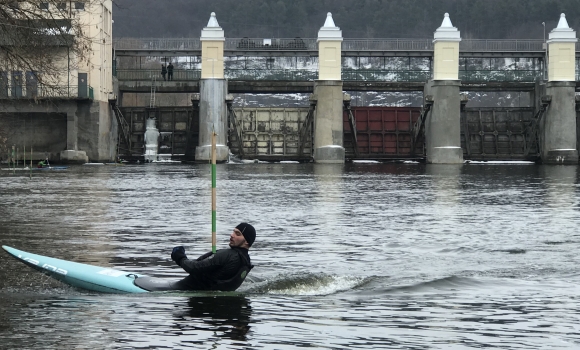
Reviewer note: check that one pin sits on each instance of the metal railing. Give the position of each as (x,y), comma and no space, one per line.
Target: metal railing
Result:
(148,74)
(168,44)
(387,45)
(244,44)
(12,91)
(500,75)
(348,44)
(478,45)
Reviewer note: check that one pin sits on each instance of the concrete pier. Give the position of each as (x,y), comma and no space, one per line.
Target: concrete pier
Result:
(212,117)
(213,90)
(558,141)
(442,127)
(72,154)
(328,124)
(328,128)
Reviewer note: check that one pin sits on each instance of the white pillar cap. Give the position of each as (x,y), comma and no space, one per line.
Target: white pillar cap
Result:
(213,31)
(562,33)
(329,31)
(447,32)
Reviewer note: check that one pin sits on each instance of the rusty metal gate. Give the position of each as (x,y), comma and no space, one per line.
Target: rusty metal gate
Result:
(272,134)
(178,130)
(499,133)
(381,132)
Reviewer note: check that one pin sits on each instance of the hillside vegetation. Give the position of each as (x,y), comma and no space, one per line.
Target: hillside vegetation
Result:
(476,19)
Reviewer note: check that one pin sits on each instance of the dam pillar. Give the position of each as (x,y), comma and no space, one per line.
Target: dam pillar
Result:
(72,155)
(328,124)
(212,94)
(558,143)
(442,127)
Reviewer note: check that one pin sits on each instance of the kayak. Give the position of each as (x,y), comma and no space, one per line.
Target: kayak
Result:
(43,168)
(91,277)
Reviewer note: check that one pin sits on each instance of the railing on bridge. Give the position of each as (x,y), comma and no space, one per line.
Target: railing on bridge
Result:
(516,45)
(387,45)
(36,91)
(169,44)
(348,44)
(249,44)
(149,74)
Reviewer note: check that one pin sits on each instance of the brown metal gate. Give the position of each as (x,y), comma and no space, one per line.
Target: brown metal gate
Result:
(498,134)
(382,132)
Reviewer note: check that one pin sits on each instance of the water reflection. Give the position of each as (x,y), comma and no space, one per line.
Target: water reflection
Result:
(560,185)
(329,208)
(227,316)
(446,185)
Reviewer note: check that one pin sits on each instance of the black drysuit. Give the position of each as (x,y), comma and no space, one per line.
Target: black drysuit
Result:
(225,270)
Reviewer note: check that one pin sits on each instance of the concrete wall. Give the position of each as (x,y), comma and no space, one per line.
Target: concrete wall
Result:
(51,127)
(44,133)
(97,131)
(97,21)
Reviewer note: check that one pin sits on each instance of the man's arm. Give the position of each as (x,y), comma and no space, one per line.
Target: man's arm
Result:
(204,264)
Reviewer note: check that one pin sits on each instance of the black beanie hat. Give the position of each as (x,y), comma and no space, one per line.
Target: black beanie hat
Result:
(248,231)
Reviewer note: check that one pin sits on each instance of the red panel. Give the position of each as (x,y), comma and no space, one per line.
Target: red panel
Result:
(383,131)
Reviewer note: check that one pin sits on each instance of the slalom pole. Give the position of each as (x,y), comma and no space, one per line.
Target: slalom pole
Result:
(213,192)
(31,162)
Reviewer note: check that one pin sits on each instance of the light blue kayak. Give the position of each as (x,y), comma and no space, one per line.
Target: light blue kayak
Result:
(104,279)
(89,277)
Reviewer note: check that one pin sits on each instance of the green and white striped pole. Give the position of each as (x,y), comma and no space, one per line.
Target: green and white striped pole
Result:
(213,192)
(13,160)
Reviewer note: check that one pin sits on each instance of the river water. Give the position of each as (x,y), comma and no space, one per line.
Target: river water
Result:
(356,256)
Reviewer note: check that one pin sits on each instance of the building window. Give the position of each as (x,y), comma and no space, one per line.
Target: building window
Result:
(43,5)
(79,5)
(61,6)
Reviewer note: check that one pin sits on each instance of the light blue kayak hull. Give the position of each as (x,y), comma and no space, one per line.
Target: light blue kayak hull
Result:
(89,277)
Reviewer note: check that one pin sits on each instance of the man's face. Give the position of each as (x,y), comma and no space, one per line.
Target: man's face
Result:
(237,239)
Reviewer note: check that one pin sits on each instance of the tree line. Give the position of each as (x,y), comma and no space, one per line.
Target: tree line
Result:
(476,19)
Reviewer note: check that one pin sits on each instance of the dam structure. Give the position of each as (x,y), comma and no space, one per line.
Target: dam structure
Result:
(446,74)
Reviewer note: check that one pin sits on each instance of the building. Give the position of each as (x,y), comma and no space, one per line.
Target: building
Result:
(56,80)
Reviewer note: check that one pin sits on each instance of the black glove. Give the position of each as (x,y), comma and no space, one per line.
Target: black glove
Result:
(178,254)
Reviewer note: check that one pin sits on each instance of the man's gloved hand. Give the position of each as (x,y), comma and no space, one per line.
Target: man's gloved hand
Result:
(178,254)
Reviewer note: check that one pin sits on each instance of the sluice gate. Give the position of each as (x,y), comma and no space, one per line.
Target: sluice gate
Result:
(500,133)
(273,134)
(381,132)
(178,131)
(377,133)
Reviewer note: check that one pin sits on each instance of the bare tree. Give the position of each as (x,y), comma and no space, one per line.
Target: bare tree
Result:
(47,39)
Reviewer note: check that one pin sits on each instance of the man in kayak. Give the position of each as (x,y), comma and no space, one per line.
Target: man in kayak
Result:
(225,270)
